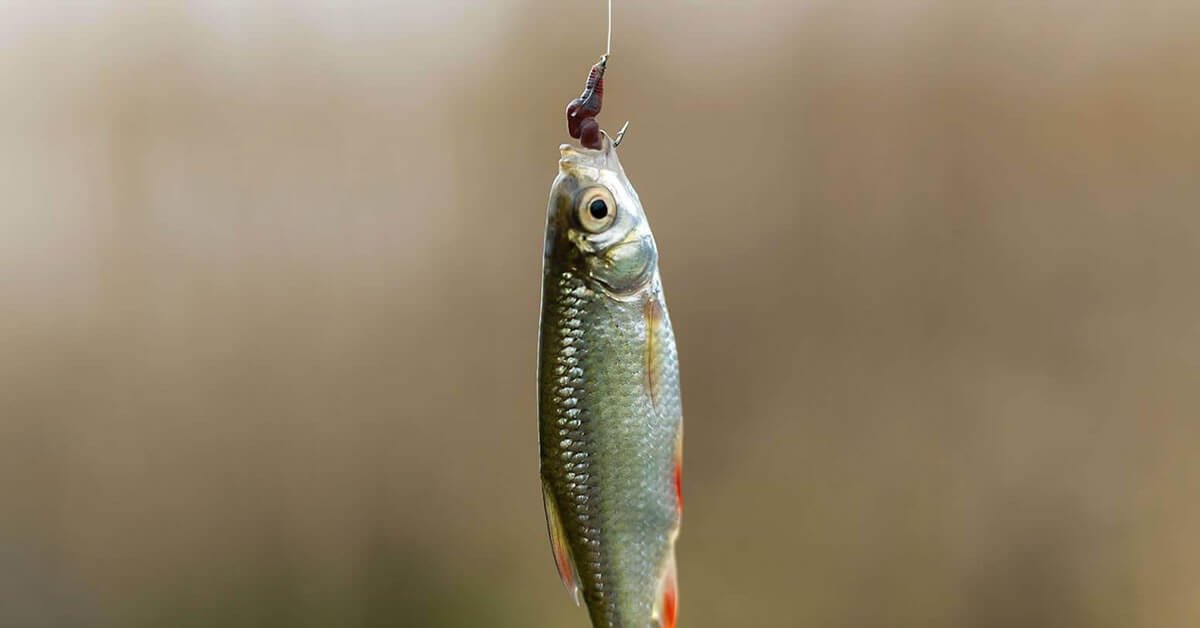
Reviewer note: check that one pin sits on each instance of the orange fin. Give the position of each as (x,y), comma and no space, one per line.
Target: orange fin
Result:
(653,313)
(558,542)
(668,603)
(677,476)
(679,484)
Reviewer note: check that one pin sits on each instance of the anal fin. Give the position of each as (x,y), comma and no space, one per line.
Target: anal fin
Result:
(667,607)
(562,550)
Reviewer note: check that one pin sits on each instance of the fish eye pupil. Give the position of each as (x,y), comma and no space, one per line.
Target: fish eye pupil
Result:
(598,209)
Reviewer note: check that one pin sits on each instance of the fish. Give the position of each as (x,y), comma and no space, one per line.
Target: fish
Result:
(609,405)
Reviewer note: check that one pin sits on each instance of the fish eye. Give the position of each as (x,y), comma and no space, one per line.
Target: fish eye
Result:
(596,209)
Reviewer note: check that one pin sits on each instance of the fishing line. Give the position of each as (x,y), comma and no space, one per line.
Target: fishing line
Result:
(608,42)
(607,53)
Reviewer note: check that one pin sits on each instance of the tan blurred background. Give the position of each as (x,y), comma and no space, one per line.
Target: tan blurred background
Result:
(269,279)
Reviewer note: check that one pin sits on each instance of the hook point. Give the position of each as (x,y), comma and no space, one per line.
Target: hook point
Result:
(621,134)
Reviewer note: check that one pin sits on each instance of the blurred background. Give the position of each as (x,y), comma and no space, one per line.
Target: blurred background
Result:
(269,281)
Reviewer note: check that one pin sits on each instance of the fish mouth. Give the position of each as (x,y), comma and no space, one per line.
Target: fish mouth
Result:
(575,157)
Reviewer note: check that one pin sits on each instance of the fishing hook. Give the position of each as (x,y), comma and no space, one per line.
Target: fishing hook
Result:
(621,134)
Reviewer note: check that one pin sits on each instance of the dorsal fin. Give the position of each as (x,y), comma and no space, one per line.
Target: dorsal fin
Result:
(558,542)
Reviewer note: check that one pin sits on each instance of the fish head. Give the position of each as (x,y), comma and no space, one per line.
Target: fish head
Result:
(595,222)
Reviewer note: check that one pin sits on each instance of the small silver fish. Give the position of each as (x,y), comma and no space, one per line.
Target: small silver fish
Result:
(609,411)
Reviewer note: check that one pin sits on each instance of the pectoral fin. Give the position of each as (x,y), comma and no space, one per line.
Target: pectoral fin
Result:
(558,542)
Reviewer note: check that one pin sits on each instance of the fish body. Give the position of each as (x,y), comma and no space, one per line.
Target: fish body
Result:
(609,409)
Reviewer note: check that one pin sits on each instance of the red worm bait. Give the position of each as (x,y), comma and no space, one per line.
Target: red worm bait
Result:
(582,112)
